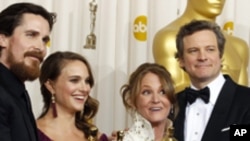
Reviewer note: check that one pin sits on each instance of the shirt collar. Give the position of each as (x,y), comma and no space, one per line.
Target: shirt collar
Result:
(215,86)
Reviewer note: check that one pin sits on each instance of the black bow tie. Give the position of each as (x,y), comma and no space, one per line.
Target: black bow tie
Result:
(192,94)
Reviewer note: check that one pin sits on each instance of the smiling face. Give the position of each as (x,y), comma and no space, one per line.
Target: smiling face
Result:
(201,57)
(72,87)
(152,102)
(25,49)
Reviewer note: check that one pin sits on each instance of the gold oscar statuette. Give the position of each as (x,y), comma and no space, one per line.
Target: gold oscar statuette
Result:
(91,38)
(120,135)
(169,135)
(93,134)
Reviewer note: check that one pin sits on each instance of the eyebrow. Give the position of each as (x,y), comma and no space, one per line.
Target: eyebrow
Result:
(45,38)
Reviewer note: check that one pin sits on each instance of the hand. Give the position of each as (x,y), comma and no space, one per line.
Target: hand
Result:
(113,136)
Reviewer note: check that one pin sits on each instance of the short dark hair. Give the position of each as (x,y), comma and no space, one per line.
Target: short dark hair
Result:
(11,17)
(198,25)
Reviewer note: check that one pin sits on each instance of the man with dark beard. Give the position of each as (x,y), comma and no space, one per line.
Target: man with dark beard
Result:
(24,33)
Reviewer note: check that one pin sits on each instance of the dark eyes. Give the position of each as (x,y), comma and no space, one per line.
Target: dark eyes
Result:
(147,92)
(46,40)
(76,80)
(192,50)
(32,34)
(87,81)
(210,49)
(163,92)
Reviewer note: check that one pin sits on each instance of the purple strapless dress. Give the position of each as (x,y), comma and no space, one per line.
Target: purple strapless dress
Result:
(43,137)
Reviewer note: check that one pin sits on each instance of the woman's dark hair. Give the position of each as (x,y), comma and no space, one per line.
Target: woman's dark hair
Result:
(50,70)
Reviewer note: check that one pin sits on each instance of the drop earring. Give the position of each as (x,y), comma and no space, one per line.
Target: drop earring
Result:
(171,113)
(53,104)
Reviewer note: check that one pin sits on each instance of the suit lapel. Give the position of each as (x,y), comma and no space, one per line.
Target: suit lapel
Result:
(221,110)
(179,121)
(28,120)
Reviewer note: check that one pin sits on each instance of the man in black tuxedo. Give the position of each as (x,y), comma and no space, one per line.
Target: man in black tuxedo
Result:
(213,102)
(24,33)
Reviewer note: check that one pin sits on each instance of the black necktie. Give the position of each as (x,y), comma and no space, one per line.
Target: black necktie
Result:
(192,94)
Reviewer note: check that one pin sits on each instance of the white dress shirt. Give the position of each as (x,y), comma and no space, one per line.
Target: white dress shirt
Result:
(198,113)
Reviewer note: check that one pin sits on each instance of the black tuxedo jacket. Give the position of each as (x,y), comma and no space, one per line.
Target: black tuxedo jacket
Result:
(17,122)
(231,107)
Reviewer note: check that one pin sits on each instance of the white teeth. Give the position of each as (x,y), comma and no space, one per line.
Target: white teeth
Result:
(155,108)
(79,96)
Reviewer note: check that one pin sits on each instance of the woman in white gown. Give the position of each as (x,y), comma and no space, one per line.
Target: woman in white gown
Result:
(149,96)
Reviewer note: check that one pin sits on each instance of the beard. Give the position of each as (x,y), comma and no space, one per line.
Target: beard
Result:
(26,71)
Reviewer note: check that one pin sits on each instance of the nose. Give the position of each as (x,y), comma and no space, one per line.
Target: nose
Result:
(85,87)
(155,98)
(39,46)
(202,55)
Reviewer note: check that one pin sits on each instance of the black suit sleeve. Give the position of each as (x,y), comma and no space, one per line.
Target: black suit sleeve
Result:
(5,133)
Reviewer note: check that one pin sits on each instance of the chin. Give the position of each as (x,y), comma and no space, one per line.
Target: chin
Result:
(157,122)
(157,119)
(79,108)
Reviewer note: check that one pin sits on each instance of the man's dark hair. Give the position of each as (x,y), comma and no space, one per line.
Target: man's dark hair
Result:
(11,17)
(198,25)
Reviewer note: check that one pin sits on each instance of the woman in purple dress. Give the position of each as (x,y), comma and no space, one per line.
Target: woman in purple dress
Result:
(66,80)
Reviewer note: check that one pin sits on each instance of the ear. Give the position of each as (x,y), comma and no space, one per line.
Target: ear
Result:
(3,41)
(131,104)
(49,85)
(181,62)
